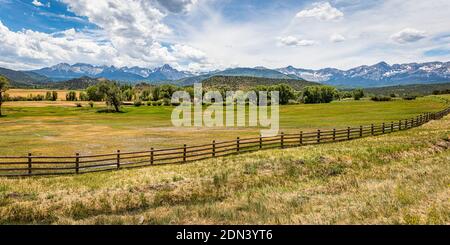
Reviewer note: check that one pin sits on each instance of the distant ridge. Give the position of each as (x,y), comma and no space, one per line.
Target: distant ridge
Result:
(245,82)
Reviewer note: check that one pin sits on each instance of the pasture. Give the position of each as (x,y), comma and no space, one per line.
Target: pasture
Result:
(399,178)
(58,128)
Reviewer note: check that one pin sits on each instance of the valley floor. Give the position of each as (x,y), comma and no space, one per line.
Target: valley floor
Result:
(399,178)
(61,128)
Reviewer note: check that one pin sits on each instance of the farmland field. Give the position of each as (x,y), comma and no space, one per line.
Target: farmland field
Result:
(399,178)
(56,128)
(26,92)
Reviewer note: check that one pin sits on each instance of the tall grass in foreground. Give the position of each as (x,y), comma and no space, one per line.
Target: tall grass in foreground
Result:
(400,178)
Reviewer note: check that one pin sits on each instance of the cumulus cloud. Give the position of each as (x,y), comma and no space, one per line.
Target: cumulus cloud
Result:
(187,52)
(408,35)
(337,38)
(30,49)
(294,41)
(321,11)
(177,6)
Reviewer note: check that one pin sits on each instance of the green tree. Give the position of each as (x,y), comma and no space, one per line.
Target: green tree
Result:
(156,93)
(83,96)
(4,84)
(71,96)
(92,93)
(128,94)
(166,91)
(111,92)
(51,95)
(286,93)
(319,94)
(357,94)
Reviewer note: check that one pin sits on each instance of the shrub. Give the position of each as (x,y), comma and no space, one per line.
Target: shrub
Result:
(78,105)
(409,97)
(166,102)
(357,94)
(137,103)
(91,104)
(380,98)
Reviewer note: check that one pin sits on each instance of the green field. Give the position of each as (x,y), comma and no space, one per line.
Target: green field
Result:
(399,178)
(58,128)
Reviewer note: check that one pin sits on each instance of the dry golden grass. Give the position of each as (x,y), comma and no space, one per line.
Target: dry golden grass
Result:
(400,178)
(25,92)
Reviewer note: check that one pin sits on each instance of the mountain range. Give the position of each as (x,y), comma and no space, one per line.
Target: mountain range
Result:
(377,75)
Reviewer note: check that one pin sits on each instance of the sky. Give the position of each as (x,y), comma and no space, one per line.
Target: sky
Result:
(203,35)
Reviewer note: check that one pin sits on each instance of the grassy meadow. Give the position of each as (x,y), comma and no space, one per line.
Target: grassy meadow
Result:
(61,128)
(398,178)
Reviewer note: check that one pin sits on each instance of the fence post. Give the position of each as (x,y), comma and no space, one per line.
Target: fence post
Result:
(184,153)
(77,163)
(412,122)
(214,148)
(372,129)
(118,159)
(301,137)
(334,134)
(392,127)
(383,128)
(237,144)
(318,135)
(399,125)
(360,131)
(348,133)
(282,140)
(260,141)
(29,163)
(151,156)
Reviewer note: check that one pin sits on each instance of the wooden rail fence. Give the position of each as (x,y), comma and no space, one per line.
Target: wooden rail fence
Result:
(78,164)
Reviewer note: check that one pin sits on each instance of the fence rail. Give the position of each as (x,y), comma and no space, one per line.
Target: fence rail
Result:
(78,164)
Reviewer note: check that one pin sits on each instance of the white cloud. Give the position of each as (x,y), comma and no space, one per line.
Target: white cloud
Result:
(30,49)
(177,6)
(408,35)
(321,11)
(294,41)
(337,38)
(40,4)
(187,52)
(37,3)
(198,35)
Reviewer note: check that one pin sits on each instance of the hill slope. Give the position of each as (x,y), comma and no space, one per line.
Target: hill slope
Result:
(413,89)
(23,79)
(244,82)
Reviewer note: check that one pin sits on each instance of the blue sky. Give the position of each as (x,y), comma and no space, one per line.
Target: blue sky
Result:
(211,34)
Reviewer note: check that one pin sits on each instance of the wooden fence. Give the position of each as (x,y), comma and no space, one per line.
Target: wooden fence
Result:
(78,164)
